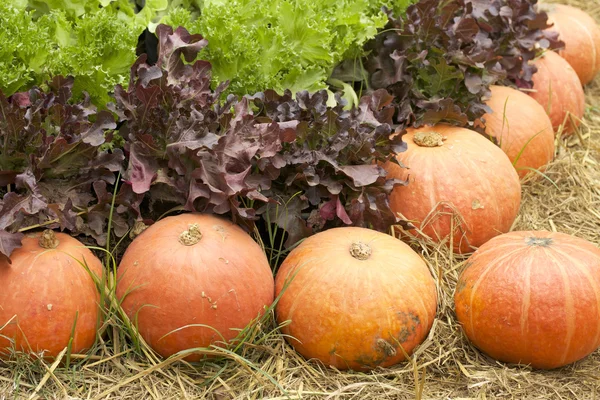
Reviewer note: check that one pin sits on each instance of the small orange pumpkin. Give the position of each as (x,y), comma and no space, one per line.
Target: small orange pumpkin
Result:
(581,35)
(522,128)
(557,88)
(460,183)
(532,298)
(190,270)
(354,296)
(47,295)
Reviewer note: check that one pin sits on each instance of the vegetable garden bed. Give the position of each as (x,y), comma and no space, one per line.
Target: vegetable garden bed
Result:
(445,366)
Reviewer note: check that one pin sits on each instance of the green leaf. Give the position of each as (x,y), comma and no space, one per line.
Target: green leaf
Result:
(440,78)
(280,44)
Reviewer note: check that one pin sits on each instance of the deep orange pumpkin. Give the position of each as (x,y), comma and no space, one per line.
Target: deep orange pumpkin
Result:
(46,293)
(463,184)
(522,128)
(532,298)
(581,35)
(354,296)
(193,269)
(557,88)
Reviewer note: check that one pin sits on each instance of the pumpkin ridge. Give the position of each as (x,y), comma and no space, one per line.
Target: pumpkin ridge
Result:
(525,305)
(584,270)
(422,304)
(574,247)
(488,185)
(495,263)
(569,304)
(589,36)
(298,296)
(433,190)
(417,292)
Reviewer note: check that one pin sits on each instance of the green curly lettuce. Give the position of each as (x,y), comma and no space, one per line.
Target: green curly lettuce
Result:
(99,52)
(64,37)
(282,44)
(25,48)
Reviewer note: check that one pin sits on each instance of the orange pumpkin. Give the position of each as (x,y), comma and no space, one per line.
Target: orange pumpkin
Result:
(47,294)
(461,186)
(581,35)
(354,296)
(532,298)
(190,270)
(557,88)
(522,128)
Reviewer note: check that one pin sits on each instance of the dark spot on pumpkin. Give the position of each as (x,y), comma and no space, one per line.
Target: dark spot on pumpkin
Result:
(386,347)
(409,321)
(404,335)
(415,318)
(368,361)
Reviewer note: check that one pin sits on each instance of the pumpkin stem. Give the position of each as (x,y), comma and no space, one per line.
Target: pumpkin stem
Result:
(542,242)
(428,139)
(48,240)
(360,251)
(137,229)
(191,236)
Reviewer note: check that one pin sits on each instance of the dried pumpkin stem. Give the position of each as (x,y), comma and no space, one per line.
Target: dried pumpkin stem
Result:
(541,242)
(428,139)
(48,240)
(360,251)
(137,229)
(191,236)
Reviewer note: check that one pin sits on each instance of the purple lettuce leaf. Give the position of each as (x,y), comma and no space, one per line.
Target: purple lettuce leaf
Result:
(53,152)
(279,158)
(9,242)
(439,59)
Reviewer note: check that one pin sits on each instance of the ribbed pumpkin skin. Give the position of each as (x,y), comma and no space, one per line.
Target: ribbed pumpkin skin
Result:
(520,122)
(223,281)
(47,290)
(557,88)
(581,35)
(538,305)
(351,313)
(467,174)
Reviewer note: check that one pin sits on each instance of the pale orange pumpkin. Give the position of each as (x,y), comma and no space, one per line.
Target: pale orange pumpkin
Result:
(581,35)
(193,280)
(532,298)
(354,297)
(461,186)
(522,128)
(47,294)
(557,88)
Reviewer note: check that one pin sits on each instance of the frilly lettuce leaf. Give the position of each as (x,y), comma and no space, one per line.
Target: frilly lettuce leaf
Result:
(252,156)
(283,44)
(55,160)
(42,39)
(25,48)
(439,58)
